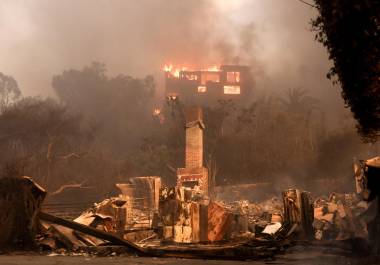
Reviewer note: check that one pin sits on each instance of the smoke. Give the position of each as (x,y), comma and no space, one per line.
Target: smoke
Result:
(44,37)
(41,38)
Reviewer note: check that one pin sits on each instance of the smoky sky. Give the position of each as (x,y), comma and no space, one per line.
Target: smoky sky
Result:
(41,38)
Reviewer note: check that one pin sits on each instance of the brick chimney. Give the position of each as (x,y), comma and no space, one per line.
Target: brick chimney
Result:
(194,174)
(194,138)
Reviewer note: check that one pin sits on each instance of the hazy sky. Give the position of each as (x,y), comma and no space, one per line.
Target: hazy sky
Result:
(41,38)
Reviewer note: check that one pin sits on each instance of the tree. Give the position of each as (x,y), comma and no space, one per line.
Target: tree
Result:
(350,30)
(117,106)
(297,100)
(9,90)
(38,135)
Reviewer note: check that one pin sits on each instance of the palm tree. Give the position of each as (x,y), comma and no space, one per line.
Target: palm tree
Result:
(297,100)
(299,107)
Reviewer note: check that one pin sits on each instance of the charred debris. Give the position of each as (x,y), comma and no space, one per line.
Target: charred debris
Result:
(189,220)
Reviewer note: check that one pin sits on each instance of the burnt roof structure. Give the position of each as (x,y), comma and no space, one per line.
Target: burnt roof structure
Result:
(205,87)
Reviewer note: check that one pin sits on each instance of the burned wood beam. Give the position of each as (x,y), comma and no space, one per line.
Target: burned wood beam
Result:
(92,231)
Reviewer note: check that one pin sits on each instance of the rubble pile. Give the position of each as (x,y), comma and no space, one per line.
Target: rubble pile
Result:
(264,210)
(340,217)
(184,214)
(149,219)
(252,218)
(186,217)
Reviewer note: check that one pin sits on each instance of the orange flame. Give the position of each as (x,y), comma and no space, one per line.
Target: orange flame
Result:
(213,68)
(168,68)
(156,111)
(175,71)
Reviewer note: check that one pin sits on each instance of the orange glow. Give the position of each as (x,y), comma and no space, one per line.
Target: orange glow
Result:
(232,90)
(156,111)
(168,67)
(209,77)
(202,89)
(175,71)
(213,68)
(172,97)
(233,77)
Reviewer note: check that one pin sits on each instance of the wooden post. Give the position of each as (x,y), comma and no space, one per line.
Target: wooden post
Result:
(299,210)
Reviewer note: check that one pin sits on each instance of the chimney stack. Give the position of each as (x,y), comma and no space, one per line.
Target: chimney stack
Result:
(194,138)
(194,174)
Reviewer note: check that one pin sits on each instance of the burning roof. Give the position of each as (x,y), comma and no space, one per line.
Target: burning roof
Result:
(208,85)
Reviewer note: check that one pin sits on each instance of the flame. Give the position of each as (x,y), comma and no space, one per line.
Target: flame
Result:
(168,68)
(156,111)
(175,71)
(213,68)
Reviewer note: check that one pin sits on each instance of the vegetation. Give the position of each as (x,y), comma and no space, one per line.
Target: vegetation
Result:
(351,32)
(9,90)
(275,136)
(101,131)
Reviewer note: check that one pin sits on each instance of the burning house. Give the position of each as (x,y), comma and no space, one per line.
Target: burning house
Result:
(204,87)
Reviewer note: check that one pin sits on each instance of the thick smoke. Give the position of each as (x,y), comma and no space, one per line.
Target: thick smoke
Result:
(134,37)
(41,38)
